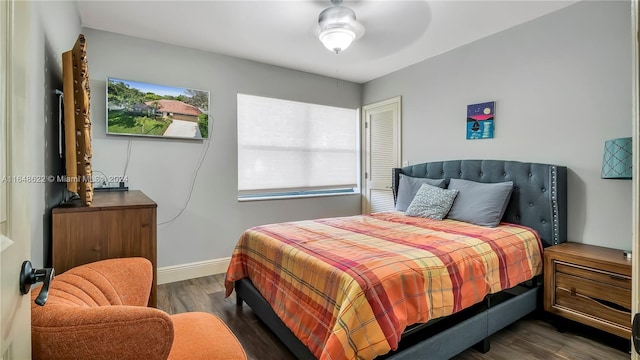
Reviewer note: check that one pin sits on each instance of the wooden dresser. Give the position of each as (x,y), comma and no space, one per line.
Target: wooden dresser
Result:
(589,284)
(117,224)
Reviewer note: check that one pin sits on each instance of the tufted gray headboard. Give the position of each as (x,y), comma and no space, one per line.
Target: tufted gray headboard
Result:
(538,200)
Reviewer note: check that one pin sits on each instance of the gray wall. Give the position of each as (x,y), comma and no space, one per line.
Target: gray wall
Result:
(562,86)
(54,29)
(163,169)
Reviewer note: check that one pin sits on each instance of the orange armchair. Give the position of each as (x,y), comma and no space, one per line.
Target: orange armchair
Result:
(98,311)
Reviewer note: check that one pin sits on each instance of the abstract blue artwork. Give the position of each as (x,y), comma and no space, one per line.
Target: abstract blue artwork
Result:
(480,120)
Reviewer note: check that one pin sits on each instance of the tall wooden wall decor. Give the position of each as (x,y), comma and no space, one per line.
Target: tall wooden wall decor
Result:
(77,122)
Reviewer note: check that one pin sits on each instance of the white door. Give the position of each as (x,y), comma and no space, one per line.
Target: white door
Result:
(15,315)
(382,144)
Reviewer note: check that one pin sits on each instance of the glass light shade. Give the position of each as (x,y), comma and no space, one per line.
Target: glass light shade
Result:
(338,27)
(337,39)
(617,159)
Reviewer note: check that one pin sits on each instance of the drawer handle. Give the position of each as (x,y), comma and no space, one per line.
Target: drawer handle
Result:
(573,291)
(616,277)
(612,305)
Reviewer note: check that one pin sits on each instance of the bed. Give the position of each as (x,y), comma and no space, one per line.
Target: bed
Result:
(324,317)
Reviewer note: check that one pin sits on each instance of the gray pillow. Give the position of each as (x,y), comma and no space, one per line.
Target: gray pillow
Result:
(431,202)
(408,187)
(480,203)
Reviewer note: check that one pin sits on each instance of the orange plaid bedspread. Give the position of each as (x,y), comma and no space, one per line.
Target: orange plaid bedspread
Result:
(348,287)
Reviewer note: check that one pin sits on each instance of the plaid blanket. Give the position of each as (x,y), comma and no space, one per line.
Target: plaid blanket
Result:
(348,287)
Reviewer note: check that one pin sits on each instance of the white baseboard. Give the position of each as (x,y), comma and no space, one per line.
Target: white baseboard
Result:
(194,270)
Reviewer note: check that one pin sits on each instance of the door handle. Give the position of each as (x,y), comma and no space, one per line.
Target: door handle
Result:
(635,332)
(30,276)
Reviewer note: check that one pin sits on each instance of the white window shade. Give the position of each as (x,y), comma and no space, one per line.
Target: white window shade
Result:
(287,146)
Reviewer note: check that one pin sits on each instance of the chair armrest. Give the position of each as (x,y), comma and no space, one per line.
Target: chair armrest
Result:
(121,281)
(106,332)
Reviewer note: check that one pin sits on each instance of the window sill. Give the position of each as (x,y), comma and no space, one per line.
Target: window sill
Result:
(289,197)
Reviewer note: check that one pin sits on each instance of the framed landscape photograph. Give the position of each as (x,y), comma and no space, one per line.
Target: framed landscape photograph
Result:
(141,109)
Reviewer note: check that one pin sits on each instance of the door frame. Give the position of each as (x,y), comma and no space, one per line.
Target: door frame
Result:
(15,114)
(365,144)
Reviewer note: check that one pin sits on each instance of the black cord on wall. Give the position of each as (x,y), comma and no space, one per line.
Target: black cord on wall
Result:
(193,182)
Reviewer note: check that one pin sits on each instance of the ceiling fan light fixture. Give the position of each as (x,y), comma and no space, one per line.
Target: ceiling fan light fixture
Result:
(338,27)
(337,39)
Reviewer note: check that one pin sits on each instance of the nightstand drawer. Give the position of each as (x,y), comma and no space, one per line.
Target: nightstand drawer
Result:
(595,275)
(610,303)
(588,306)
(600,291)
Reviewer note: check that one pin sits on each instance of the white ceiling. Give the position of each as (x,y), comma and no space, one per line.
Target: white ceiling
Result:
(398,33)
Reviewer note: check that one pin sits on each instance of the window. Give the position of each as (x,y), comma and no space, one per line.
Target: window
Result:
(289,148)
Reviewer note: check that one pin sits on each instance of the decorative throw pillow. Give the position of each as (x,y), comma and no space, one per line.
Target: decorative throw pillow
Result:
(431,202)
(408,187)
(480,203)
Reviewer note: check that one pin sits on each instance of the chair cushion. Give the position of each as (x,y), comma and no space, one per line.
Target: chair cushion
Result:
(99,333)
(122,281)
(203,336)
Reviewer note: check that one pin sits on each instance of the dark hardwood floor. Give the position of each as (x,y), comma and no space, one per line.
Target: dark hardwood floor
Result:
(534,337)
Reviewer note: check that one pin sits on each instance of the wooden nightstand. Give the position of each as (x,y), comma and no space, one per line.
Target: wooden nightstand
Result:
(589,284)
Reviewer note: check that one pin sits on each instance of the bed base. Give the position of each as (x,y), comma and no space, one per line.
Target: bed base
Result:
(439,338)
(245,291)
(538,200)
